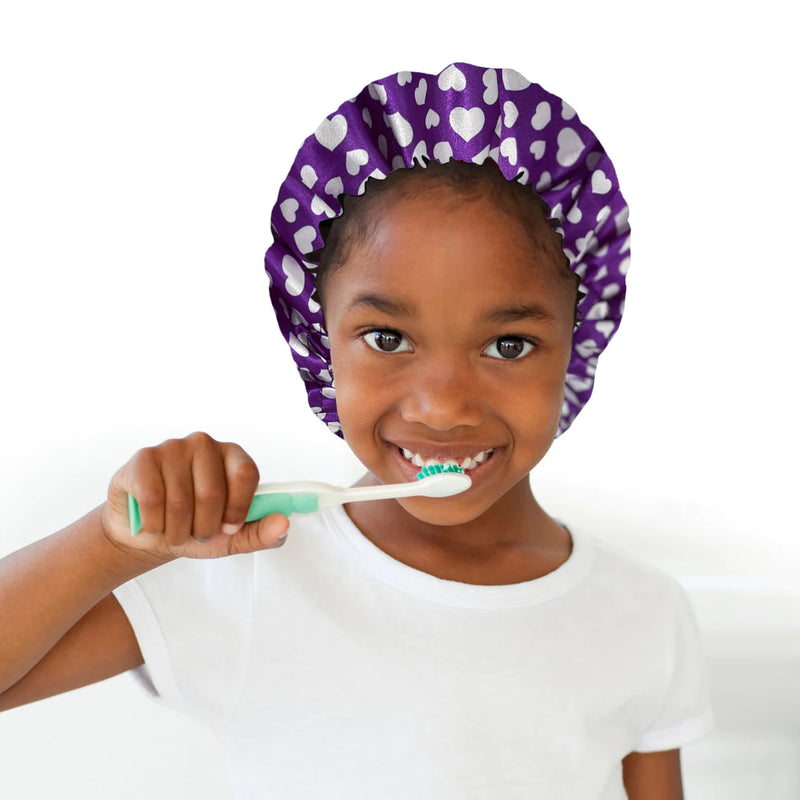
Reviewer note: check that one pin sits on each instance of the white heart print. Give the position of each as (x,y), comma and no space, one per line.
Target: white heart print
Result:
(600,184)
(467,123)
(537,148)
(403,78)
(331,132)
(567,111)
(401,128)
(297,345)
(295,277)
(319,206)
(510,114)
(452,78)
(541,116)
(513,81)
(289,209)
(490,82)
(570,147)
(304,238)
(542,185)
(431,119)
(574,215)
(442,152)
(308,176)
(508,148)
(334,187)
(421,91)
(356,159)
(377,92)
(605,326)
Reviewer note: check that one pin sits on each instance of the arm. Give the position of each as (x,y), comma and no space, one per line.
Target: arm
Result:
(653,776)
(60,627)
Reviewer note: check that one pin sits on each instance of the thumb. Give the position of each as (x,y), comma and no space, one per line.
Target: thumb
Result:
(262,534)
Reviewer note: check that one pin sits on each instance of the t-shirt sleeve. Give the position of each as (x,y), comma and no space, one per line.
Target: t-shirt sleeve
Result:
(684,708)
(193,621)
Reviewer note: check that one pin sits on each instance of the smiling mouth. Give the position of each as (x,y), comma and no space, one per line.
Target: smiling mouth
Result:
(466,463)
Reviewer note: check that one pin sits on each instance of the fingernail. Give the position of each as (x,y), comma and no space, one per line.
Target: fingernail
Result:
(229,528)
(280,540)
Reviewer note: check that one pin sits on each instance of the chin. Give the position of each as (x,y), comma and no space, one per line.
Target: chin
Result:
(444,512)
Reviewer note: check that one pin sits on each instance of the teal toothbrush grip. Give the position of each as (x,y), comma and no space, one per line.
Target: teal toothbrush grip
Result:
(263,504)
(281,503)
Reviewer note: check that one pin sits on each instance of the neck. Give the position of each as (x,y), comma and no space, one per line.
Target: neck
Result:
(512,541)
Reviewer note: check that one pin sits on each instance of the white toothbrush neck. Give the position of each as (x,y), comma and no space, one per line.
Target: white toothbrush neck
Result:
(357,494)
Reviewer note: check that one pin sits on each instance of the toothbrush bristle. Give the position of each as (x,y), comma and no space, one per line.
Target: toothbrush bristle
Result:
(437,469)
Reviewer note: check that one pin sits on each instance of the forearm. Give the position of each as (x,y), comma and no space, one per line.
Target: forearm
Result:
(46,587)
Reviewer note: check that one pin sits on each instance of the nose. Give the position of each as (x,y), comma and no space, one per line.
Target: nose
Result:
(443,395)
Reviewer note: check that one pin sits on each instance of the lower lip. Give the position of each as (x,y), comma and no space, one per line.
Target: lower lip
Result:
(476,474)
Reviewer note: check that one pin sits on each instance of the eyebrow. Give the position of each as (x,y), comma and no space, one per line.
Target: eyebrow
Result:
(379,302)
(514,313)
(503,314)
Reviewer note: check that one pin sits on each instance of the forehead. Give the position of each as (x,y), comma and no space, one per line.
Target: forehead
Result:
(442,247)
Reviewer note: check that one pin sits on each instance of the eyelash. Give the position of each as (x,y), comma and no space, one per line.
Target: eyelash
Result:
(528,345)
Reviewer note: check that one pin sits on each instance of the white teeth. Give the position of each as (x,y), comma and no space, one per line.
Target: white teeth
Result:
(470,462)
(482,456)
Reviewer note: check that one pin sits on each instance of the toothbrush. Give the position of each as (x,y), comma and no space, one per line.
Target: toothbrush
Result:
(310,496)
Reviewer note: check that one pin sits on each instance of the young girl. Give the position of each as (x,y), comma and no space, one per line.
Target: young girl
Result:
(469,646)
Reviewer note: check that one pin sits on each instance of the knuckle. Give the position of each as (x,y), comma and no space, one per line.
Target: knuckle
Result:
(212,495)
(150,497)
(200,439)
(169,449)
(143,459)
(180,505)
(245,471)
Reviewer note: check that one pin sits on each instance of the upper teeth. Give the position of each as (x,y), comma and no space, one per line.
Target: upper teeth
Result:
(468,463)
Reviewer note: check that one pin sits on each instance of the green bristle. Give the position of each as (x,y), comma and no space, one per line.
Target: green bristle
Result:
(437,469)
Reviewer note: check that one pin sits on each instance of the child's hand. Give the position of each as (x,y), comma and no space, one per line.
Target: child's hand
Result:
(193,496)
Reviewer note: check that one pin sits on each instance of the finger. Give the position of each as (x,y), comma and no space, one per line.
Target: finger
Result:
(210,487)
(242,479)
(142,478)
(264,534)
(176,470)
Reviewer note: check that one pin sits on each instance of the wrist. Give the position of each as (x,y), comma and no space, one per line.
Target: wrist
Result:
(118,561)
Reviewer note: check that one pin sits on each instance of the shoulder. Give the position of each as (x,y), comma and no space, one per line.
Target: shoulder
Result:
(620,569)
(632,594)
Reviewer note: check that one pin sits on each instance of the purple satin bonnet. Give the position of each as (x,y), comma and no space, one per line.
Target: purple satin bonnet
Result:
(467,113)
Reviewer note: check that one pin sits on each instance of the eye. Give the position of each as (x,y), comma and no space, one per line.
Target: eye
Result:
(386,340)
(510,348)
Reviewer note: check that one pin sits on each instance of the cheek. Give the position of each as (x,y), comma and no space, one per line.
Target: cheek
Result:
(356,396)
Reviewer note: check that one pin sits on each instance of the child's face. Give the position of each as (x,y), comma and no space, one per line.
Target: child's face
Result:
(419,319)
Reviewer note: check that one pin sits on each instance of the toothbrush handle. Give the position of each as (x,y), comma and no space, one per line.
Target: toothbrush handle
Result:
(263,504)
(281,503)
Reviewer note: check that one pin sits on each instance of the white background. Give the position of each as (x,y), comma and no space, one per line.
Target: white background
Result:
(142,148)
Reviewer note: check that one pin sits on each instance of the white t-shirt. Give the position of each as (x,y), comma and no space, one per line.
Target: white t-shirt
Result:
(331,670)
